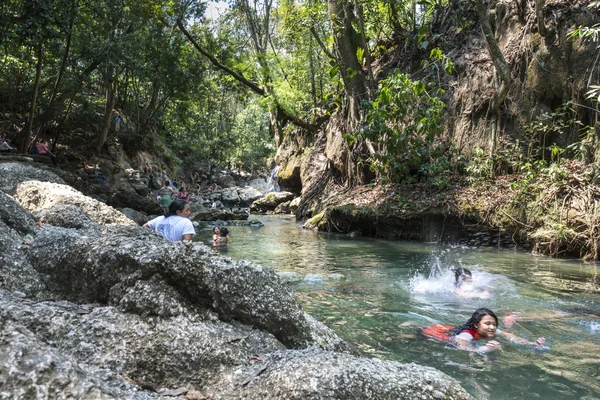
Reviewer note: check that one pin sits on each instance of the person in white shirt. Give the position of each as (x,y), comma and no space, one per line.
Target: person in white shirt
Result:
(175,225)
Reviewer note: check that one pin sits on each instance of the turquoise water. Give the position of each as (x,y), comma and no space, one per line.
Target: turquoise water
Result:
(390,289)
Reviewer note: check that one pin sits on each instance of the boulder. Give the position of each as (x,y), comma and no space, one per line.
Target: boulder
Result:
(35,196)
(125,196)
(247,195)
(66,216)
(270,202)
(15,217)
(138,217)
(318,375)
(156,352)
(100,269)
(283,208)
(217,214)
(224,180)
(12,174)
(229,196)
(294,204)
(31,369)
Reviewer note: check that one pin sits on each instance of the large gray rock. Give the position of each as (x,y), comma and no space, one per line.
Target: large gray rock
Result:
(229,196)
(17,229)
(138,217)
(316,375)
(125,196)
(36,195)
(66,216)
(270,202)
(105,269)
(217,214)
(186,350)
(247,195)
(14,216)
(12,174)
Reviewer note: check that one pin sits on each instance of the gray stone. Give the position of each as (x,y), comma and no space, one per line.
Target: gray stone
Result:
(270,202)
(35,196)
(317,375)
(66,216)
(229,196)
(14,216)
(12,174)
(87,268)
(248,194)
(138,217)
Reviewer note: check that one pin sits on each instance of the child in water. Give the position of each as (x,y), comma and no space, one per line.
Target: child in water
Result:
(223,236)
(463,279)
(483,324)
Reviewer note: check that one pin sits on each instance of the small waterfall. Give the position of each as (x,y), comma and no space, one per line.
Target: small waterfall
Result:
(273,180)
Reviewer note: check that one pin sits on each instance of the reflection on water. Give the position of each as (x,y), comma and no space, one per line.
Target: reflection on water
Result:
(390,289)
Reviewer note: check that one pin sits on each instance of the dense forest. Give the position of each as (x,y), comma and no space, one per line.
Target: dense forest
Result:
(341,93)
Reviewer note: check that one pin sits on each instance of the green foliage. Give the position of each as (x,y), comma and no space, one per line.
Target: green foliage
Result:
(555,122)
(403,121)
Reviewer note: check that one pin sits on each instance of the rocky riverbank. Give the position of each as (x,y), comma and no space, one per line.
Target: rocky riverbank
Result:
(94,306)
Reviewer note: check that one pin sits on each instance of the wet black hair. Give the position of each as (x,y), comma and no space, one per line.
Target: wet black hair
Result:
(474,320)
(224,232)
(176,205)
(216,227)
(458,272)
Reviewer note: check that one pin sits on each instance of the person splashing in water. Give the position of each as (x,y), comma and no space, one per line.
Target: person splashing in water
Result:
(463,285)
(483,324)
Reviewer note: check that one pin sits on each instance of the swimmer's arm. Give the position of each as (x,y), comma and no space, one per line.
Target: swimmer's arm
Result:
(514,338)
(465,345)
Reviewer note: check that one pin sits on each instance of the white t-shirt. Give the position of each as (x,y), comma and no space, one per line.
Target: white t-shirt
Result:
(468,337)
(173,227)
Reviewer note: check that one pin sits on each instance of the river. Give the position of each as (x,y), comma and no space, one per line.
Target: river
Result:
(376,294)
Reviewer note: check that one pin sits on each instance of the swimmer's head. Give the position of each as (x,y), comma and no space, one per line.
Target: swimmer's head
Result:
(462,275)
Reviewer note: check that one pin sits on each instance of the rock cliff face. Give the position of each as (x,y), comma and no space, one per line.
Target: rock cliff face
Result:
(90,308)
(547,72)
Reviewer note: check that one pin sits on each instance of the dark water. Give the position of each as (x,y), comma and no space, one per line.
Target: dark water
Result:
(390,289)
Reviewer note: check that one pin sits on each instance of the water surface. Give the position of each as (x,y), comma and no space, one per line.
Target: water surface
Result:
(376,294)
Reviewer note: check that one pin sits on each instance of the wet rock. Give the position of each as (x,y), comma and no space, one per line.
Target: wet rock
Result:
(310,374)
(12,174)
(270,202)
(35,196)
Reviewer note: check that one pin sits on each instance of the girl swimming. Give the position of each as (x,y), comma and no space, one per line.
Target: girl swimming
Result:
(483,324)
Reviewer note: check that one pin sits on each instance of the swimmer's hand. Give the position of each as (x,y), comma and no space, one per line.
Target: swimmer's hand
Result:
(539,342)
(489,347)
(511,318)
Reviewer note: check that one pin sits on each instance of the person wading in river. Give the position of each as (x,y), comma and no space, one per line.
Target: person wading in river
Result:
(175,225)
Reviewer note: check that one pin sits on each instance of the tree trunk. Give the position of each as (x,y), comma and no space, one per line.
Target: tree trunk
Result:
(500,63)
(365,44)
(541,22)
(345,53)
(26,138)
(107,120)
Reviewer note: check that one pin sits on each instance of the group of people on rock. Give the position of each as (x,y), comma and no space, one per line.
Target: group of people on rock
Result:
(483,323)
